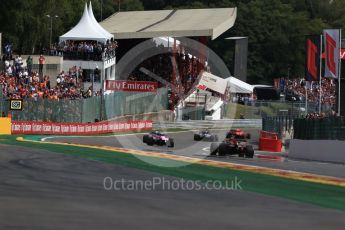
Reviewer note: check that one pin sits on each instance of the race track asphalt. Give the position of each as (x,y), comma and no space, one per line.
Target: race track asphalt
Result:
(186,146)
(44,190)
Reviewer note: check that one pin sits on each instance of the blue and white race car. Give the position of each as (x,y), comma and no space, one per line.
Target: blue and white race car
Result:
(205,136)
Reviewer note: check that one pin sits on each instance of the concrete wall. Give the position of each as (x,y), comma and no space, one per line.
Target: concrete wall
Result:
(57,61)
(318,150)
(107,68)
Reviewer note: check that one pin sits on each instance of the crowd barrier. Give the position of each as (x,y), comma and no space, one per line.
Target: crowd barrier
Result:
(49,128)
(269,142)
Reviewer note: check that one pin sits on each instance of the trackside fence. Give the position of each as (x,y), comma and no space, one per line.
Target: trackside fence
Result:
(278,125)
(90,109)
(330,128)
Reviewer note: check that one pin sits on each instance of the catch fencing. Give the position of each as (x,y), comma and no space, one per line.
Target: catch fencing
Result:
(331,128)
(262,109)
(279,125)
(90,109)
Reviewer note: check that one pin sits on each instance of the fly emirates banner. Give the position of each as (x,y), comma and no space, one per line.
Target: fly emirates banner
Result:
(131,86)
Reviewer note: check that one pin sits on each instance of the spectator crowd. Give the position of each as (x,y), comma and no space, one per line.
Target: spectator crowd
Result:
(22,83)
(161,67)
(299,88)
(84,50)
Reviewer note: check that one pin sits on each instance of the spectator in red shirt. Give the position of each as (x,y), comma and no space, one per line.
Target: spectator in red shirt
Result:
(41,62)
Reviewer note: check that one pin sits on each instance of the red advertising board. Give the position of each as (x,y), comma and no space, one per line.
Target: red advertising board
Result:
(50,128)
(131,86)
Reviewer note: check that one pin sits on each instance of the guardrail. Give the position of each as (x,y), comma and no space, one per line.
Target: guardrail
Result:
(219,124)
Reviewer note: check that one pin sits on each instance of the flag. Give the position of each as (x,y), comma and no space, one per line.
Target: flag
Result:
(313,53)
(332,51)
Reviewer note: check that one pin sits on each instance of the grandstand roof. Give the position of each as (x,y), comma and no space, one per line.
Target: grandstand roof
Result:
(171,23)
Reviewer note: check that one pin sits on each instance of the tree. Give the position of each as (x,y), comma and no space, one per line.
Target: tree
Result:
(276,38)
(276,28)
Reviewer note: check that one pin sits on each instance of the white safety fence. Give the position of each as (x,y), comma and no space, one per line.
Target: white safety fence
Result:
(226,124)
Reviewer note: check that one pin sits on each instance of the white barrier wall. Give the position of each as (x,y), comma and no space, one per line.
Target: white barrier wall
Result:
(222,124)
(318,150)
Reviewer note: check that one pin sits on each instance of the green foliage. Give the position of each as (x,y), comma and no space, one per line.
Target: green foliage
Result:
(276,28)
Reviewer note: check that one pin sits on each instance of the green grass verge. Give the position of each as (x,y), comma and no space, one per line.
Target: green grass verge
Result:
(231,107)
(318,194)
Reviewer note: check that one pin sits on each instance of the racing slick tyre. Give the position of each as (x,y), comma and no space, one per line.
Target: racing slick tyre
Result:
(170,143)
(249,151)
(197,137)
(160,143)
(216,138)
(145,138)
(150,141)
(224,149)
(214,149)
(213,138)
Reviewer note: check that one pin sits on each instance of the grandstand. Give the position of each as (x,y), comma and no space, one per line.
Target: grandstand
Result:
(178,65)
(90,47)
(174,61)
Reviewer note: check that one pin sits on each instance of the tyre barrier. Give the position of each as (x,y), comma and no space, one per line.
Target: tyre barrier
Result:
(269,142)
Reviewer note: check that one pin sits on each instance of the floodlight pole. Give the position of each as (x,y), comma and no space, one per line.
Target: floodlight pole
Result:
(101,10)
(320,80)
(306,98)
(173,77)
(51,29)
(339,74)
(1,100)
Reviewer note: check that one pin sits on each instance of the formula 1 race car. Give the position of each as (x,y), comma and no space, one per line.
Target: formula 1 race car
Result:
(157,138)
(238,134)
(232,146)
(205,136)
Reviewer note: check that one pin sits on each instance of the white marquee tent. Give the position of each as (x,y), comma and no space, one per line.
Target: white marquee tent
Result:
(87,29)
(97,25)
